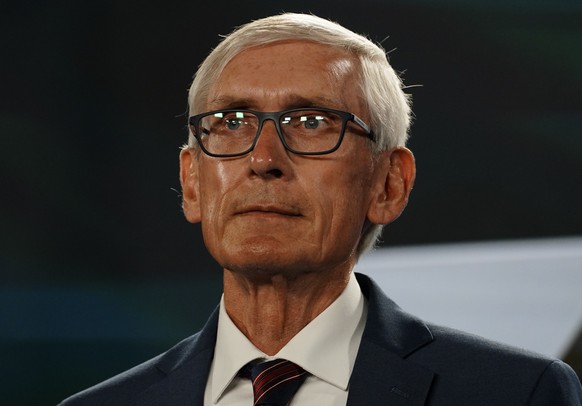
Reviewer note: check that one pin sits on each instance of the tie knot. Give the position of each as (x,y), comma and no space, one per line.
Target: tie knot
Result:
(274,382)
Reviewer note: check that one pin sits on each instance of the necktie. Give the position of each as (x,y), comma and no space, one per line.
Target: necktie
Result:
(274,382)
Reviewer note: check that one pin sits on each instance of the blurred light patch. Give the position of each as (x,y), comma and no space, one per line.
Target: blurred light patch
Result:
(524,293)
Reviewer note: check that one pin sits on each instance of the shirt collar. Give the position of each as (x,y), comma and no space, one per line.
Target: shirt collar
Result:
(326,347)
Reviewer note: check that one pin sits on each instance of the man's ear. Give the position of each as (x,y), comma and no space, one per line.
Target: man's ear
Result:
(190,186)
(393,181)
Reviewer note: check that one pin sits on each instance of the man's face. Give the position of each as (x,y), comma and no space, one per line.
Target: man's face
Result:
(271,211)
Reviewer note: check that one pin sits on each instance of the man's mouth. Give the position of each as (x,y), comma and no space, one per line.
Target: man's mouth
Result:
(269,209)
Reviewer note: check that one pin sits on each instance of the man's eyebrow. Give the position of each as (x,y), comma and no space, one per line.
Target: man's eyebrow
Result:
(295,101)
(229,102)
(291,102)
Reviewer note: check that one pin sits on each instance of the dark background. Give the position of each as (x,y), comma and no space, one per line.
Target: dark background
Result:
(99,270)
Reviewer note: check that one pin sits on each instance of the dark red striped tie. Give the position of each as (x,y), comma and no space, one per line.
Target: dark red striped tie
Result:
(275,382)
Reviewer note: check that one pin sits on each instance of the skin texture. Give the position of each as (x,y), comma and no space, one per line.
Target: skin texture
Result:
(285,227)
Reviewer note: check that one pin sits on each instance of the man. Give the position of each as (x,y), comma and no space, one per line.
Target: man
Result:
(296,159)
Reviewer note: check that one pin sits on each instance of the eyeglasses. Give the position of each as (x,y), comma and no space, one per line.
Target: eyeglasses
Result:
(304,131)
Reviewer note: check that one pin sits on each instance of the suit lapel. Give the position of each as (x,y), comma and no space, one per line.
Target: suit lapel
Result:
(382,373)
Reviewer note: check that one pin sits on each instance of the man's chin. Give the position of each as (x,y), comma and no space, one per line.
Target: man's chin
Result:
(264,267)
(266,263)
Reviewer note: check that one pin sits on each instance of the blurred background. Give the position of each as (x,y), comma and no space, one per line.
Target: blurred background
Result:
(99,269)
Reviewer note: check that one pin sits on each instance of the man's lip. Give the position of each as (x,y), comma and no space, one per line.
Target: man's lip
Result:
(268,209)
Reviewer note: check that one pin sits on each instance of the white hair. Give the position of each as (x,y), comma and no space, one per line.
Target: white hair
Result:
(382,90)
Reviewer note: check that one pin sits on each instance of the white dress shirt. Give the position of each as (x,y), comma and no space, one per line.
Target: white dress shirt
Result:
(326,348)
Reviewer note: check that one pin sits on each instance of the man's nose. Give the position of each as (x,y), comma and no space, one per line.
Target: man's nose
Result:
(269,156)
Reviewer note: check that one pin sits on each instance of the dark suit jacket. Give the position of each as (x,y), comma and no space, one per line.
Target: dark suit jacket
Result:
(401,361)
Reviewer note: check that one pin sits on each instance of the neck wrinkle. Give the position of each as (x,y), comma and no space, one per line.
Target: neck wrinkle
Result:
(270,312)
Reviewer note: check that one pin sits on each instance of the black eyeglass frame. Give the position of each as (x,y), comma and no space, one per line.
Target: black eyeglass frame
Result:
(275,116)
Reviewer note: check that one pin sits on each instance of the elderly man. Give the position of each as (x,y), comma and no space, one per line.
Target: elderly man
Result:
(295,161)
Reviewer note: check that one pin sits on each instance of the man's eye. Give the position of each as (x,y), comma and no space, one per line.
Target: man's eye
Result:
(233,124)
(312,123)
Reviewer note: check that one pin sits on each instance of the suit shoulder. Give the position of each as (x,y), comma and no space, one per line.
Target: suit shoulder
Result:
(464,362)
(123,388)
(460,347)
(120,388)
(558,382)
